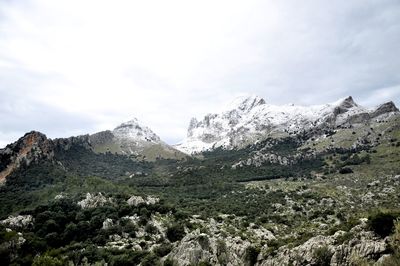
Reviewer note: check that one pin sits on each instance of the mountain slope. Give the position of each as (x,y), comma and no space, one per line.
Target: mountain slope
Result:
(32,147)
(132,138)
(250,119)
(306,197)
(128,141)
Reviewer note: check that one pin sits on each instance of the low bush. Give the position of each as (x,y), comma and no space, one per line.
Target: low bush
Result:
(175,232)
(251,255)
(382,223)
(322,256)
(345,170)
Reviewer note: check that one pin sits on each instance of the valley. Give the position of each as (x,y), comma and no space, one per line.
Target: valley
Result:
(254,185)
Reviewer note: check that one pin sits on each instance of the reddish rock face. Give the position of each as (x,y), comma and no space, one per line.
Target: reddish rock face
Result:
(32,147)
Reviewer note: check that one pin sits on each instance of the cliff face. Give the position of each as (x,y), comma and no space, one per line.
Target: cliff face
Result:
(35,147)
(385,108)
(32,147)
(249,119)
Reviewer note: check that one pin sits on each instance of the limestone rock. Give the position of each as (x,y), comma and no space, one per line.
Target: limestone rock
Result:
(19,221)
(93,200)
(136,200)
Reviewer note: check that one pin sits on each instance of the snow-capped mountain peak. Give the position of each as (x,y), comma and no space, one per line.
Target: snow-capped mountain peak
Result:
(250,118)
(246,103)
(135,131)
(346,102)
(133,138)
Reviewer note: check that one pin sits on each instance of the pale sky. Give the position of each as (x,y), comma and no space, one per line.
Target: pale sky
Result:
(75,67)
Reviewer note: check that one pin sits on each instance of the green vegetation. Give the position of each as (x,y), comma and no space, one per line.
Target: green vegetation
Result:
(313,194)
(323,256)
(175,232)
(382,223)
(64,230)
(251,255)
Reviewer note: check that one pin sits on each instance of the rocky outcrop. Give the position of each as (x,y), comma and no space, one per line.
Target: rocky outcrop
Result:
(215,246)
(249,119)
(197,247)
(249,103)
(31,148)
(35,147)
(219,246)
(363,245)
(258,159)
(93,200)
(68,143)
(19,221)
(384,109)
(108,223)
(136,200)
(344,106)
(193,124)
(101,137)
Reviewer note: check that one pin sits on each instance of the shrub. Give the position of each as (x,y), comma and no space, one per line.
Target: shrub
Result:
(175,232)
(169,262)
(395,242)
(204,263)
(163,250)
(151,229)
(204,242)
(47,261)
(251,255)
(345,170)
(221,252)
(393,260)
(322,256)
(150,260)
(125,257)
(382,223)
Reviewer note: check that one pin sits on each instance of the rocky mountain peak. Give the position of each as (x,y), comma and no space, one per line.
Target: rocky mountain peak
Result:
(388,106)
(29,141)
(246,103)
(193,124)
(347,103)
(133,138)
(32,147)
(135,131)
(128,124)
(385,108)
(344,105)
(250,118)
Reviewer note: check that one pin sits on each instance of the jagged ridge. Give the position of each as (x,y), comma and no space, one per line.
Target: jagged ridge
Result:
(249,119)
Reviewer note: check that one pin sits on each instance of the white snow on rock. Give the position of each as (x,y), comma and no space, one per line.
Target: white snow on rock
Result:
(133,130)
(248,119)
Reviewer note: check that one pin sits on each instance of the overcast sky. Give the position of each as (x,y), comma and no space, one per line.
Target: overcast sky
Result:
(75,67)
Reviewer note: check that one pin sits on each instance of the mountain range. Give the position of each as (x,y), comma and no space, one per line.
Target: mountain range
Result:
(256,184)
(246,121)
(250,119)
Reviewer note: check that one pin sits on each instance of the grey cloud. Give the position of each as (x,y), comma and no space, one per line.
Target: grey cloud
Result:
(315,52)
(326,52)
(20,112)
